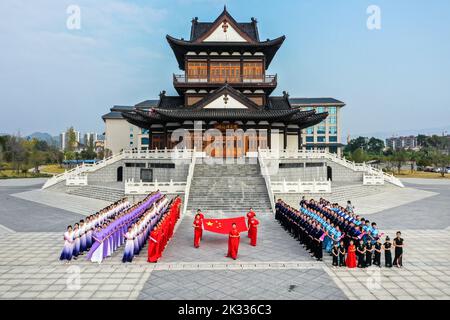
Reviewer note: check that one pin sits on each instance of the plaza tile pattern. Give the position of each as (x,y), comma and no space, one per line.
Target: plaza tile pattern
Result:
(278,268)
(284,284)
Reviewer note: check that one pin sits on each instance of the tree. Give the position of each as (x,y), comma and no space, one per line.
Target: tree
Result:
(441,161)
(354,144)
(400,157)
(36,159)
(15,152)
(359,155)
(71,140)
(375,146)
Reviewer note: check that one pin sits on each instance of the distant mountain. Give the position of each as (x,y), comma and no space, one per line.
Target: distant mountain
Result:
(43,136)
(387,134)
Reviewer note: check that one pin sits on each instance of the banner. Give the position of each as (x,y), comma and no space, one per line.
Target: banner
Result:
(223,226)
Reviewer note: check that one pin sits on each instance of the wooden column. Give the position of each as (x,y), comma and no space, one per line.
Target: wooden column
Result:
(285,137)
(269,136)
(299,138)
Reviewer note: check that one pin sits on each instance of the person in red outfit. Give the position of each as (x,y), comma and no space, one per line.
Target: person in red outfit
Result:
(233,242)
(153,245)
(202,216)
(251,214)
(253,231)
(198,223)
(351,256)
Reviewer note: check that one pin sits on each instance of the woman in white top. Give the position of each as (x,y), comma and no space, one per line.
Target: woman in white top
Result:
(67,251)
(129,246)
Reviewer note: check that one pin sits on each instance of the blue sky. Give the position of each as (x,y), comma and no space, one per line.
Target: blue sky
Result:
(393,79)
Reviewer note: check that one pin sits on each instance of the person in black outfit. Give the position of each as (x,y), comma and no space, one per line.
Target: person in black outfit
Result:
(335,254)
(398,245)
(318,243)
(342,252)
(387,253)
(377,253)
(369,251)
(361,254)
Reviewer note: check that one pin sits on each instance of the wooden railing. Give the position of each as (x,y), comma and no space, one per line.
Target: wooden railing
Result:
(181,78)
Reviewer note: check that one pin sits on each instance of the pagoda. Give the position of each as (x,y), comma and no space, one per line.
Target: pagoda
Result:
(224,87)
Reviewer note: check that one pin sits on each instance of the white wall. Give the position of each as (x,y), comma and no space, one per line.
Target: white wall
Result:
(117,135)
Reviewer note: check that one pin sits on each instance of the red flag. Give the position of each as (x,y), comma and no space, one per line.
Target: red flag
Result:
(223,226)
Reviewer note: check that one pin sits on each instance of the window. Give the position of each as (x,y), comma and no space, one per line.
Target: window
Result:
(134,165)
(145,141)
(197,70)
(225,71)
(332,130)
(162,165)
(333,149)
(309,139)
(253,70)
(310,130)
(313,164)
(145,131)
(321,130)
(332,138)
(332,110)
(332,120)
(320,109)
(321,139)
(131,136)
(292,165)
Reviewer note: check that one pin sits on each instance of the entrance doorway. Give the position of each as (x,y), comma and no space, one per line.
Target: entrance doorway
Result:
(329,173)
(120,174)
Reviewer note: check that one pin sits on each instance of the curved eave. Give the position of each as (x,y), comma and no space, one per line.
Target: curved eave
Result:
(228,114)
(135,119)
(181,47)
(313,120)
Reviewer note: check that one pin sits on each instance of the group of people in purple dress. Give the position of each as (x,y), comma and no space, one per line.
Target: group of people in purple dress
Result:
(102,233)
(79,238)
(138,232)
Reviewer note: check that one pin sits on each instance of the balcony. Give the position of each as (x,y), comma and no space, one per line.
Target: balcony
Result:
(181,80)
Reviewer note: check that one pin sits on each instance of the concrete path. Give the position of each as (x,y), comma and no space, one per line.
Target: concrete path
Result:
(81,205)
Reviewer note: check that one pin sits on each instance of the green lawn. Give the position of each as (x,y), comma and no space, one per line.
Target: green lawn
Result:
(12,174)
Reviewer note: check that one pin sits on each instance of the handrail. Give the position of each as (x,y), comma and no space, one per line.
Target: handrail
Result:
(124,154)
(182,78)
(266,176)
(323,154)
(189,181)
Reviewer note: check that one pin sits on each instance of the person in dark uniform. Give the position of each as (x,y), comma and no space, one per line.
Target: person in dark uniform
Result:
(335,254)
(369,251)
(361,254)
(377,253)
(387,253)
(342,252)
(398,250)
(319,243)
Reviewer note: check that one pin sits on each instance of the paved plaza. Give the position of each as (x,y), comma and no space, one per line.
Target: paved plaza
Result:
(278,268)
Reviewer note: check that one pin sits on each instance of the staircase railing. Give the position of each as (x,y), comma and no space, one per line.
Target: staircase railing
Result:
(322,154)
(125,154)
(189,181)
(266,176)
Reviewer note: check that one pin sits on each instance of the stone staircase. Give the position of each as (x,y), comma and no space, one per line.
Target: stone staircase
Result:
(228,188)
(97,192)
(340,193)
